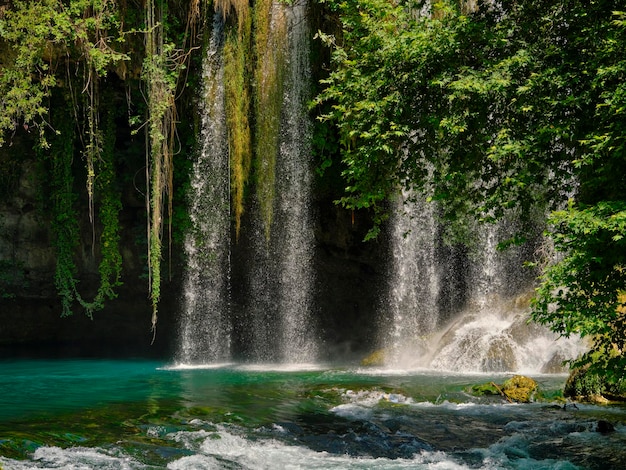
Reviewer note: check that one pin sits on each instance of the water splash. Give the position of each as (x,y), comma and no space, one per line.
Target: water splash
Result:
(490,329)
(413,279)
(500,338)
(205,328)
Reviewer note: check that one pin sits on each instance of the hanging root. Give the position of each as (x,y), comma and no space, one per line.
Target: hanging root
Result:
(153,328)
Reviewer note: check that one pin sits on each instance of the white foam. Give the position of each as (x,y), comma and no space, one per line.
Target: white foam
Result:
(258,367)
(73,458)
(282,367)
(183,366)
(196,462)
(225,449)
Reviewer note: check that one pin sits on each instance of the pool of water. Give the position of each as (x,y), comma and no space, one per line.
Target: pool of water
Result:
(135,414)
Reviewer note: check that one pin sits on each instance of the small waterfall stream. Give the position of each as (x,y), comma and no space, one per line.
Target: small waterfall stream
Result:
(413,281)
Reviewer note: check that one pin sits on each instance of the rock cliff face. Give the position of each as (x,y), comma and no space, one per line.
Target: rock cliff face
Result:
(349,276)
(30,309)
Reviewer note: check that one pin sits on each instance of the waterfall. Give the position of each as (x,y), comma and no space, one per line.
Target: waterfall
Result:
(413,282)
(205,329)
(294,181)
(489,330)
(252,300)
(281,274)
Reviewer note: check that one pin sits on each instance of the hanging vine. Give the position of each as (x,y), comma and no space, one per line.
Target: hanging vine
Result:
(64,218)
(65,227)
(160,90)
(110,268)
(161,72)
(69,47)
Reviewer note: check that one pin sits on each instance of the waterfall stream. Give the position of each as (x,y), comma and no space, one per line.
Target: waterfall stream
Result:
(413,281)
(281,274)
(205,328)
(294,180)
(273,319)
(488,328)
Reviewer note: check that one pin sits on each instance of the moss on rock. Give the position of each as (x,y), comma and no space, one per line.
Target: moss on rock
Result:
(485,389)
(588,386)
(520,388)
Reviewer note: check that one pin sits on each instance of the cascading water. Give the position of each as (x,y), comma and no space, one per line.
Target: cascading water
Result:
(294,180)
(264,315)
(205,329)
(413,280)
(490,332)
(281,275)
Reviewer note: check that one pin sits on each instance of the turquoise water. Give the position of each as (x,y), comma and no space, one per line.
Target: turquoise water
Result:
(122,414)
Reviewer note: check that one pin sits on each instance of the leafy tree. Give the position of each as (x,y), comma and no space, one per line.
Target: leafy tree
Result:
(492,108)
(585,292)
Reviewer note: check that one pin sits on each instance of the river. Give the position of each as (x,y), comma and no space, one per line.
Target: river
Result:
(139,414)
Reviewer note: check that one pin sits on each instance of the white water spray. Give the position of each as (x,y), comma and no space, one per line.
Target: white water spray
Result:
(491,332)
(205,330)
(413,282)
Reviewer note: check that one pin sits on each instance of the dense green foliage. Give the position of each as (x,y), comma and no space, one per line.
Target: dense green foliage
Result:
(67,63)
(493,108)
(72,51)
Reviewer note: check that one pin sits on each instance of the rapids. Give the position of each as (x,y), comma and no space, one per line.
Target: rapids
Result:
(123,414)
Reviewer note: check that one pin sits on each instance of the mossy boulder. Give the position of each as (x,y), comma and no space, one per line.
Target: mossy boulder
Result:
(520,388)
(589,386)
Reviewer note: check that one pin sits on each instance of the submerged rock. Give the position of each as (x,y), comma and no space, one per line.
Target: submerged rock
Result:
(604,427)
(501,356)
(377,358)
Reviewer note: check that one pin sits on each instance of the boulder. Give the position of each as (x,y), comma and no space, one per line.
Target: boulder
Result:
(500,357)
(520,389)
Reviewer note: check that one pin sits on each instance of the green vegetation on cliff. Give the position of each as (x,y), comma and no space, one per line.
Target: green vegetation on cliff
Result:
(496,108)
(64,64)
(490,109)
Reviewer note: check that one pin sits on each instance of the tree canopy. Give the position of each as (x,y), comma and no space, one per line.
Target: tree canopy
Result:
(491,108)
